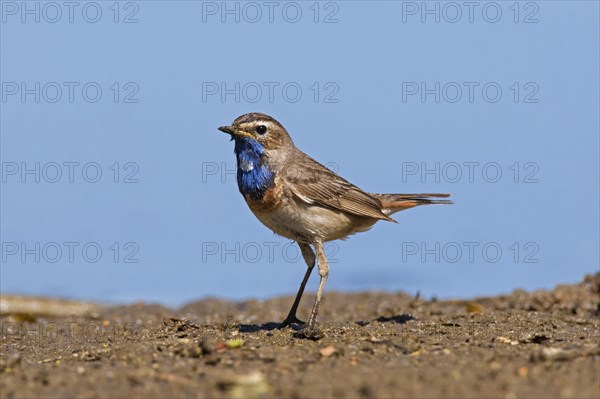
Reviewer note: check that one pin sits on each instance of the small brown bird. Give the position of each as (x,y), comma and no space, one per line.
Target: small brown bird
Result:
(300,199)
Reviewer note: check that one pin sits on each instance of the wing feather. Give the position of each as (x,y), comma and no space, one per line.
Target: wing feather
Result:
(313,183)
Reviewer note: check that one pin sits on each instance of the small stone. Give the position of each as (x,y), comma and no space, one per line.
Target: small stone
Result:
(327,351)
(504,340)
(8,364)
(314,333)
(553,354)
(207,347)
(418,352)
(252,385)
(473,307)
(534,339)
(234,343)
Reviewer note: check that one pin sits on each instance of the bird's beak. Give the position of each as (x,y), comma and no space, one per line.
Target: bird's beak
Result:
(227,129)
(234,131)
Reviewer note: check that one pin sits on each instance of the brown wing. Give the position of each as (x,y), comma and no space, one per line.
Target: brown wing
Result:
(312,182)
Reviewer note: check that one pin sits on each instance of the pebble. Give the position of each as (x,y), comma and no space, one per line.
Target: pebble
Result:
(327,351)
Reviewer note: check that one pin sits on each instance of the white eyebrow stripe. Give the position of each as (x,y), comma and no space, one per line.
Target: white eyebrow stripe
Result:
(269,124)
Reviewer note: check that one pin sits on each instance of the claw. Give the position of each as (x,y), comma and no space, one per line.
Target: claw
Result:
(291,319)
(311,332)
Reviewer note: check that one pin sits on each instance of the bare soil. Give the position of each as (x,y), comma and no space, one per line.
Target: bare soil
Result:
(543,344)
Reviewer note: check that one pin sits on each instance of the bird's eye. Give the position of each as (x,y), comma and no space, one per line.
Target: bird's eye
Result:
(261,129)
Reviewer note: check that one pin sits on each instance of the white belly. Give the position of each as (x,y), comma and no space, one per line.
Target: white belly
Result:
(307,223)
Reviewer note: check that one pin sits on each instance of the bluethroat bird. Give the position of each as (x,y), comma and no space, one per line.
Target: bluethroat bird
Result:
(300,199)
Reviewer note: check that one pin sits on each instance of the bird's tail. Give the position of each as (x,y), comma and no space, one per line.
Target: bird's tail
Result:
(392,203)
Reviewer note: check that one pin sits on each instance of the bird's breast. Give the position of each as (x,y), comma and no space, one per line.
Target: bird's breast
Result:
(270,201)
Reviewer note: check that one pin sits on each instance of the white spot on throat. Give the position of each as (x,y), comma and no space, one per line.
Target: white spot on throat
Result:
(246,166)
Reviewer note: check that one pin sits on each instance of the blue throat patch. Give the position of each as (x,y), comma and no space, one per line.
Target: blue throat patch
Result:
(254,178)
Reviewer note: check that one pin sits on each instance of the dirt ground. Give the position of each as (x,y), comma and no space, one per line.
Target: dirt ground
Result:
(542,344)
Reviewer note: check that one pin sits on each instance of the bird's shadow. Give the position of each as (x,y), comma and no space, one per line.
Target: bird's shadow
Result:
(271,326)
(398,319)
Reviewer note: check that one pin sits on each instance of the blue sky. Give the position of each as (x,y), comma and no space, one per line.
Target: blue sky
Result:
(116,185)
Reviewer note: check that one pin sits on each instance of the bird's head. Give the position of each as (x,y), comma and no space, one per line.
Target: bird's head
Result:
(259,129)
(262,147)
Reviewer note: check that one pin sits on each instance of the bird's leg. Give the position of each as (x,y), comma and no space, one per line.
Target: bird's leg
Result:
(311,331)
(309,258)
(291,317)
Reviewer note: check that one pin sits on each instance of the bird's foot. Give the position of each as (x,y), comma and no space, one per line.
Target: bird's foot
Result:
(291,319)
(311,331)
